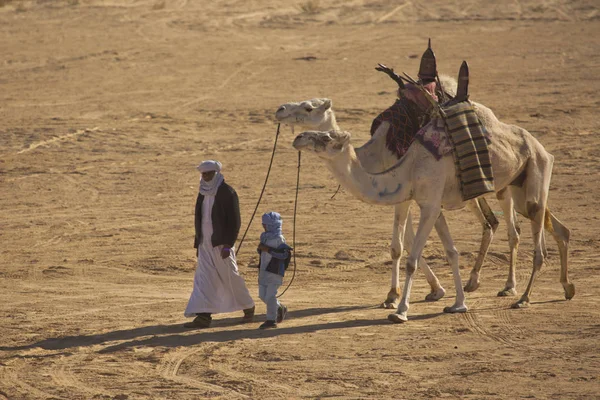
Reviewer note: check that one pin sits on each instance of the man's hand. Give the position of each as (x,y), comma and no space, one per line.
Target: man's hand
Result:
(263,247)
(225,252)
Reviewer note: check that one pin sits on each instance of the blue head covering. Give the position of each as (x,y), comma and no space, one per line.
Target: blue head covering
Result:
(272,220)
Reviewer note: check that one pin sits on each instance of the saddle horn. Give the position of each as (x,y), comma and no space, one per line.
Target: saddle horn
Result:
(462,91)
(428,66)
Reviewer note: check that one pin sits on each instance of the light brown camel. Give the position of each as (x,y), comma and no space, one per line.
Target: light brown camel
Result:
(515,155)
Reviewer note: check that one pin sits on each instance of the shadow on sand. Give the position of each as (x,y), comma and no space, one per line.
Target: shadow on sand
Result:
(171,335)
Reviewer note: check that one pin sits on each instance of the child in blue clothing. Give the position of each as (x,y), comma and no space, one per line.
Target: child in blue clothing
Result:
(274,258)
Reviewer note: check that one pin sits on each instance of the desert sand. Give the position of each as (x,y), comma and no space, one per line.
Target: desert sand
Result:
(106,107)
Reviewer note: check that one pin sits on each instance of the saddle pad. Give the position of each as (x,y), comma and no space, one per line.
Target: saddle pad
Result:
(471,154)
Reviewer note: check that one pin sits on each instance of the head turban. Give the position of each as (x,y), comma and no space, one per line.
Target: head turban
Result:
(210,188)
(209,165)
(272,221)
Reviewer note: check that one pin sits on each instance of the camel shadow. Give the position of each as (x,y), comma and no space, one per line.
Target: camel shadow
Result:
(550,301)
(161,330)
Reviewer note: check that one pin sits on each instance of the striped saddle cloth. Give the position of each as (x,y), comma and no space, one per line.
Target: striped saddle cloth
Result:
(470,145)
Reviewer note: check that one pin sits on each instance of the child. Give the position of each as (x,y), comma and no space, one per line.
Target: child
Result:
(274,258)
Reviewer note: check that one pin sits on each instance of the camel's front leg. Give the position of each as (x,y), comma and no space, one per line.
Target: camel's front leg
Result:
(403,235)
(452,254)
(429,214)
(401,212)
(488,220)
(437,291)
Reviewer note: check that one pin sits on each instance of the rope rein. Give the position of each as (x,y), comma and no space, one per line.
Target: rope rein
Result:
(294,228)
(336,192)
(295,209)
(262,191)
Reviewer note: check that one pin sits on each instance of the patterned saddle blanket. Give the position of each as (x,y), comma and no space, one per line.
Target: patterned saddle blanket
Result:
(403,118)
(461,133)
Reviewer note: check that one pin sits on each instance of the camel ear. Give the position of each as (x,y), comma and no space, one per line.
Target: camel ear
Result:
(342,136)
(326,104)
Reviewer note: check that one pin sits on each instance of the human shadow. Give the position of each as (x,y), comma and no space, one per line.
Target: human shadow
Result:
(252,333)
(157,330)
(246,333)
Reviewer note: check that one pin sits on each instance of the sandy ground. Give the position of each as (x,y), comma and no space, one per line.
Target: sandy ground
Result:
(106,107)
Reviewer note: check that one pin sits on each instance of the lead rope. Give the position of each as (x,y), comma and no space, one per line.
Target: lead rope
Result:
(261,193)
(294,228)
(336,192)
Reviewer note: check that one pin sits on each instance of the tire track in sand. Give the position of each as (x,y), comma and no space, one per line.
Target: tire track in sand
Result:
(501,328)
(57,139)
(11,378)
(229,373)
(169,369)
(62,374)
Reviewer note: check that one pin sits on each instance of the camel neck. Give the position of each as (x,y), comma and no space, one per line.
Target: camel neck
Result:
(390,187)
(329,123)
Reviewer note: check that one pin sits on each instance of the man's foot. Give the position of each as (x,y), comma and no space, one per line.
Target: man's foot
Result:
(201,321)
(248,315)
(281,313)
(268,325)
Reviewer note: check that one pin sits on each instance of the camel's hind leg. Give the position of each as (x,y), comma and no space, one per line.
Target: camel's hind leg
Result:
(536,188)
(506,201)
(403,235)
(561,234)
(488,220)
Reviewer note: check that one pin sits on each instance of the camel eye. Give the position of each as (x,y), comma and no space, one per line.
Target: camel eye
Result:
(308,109)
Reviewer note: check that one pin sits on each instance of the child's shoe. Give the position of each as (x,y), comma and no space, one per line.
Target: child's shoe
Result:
(268,325)
(281,313)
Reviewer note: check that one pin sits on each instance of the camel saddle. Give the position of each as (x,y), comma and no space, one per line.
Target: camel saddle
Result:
(405,122)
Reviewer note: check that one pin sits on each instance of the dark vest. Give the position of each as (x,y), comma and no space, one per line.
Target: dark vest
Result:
(225,216)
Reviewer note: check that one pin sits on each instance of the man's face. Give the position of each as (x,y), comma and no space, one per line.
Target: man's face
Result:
(208,176)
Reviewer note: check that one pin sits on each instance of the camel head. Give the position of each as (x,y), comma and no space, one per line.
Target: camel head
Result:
(324,144)
(309,113)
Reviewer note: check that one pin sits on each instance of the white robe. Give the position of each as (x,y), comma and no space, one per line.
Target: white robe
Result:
(218,286)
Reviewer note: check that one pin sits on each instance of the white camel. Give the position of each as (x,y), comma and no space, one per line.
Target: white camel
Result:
(515,156)
(318,114)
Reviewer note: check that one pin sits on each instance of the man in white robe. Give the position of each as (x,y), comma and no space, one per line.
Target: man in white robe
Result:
(218,286)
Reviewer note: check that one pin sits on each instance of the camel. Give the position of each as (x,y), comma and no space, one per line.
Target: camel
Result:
(516,156)
(318,114)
